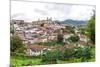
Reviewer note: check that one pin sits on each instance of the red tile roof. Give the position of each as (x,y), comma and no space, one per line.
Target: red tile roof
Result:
(38,47)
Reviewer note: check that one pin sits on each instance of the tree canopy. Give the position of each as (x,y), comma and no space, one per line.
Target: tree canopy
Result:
(16,44)
(91,29)
(73,39)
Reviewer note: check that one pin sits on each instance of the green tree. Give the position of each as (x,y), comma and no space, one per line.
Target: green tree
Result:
(86,54)
(78,52)
(49,57)
(60,38)
(73,39)
(68,53)
(12,31)
(83,53)
(91,29)
(16,44)
(52,56)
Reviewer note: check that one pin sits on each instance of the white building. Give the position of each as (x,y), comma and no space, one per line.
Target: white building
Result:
(36,50)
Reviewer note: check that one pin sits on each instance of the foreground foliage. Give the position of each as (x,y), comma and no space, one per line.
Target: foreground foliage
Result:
(16,44)
(91,29)
(86,54)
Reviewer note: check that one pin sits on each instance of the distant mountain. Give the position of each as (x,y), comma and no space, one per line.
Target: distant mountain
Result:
(73,22)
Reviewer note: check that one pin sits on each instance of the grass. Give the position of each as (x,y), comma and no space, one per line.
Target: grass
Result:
(74,60)
(19,61)
(16,62)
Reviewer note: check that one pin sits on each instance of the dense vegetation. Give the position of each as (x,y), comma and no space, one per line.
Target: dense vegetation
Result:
(91,29)
(73,39)
(17,45)
(68,55)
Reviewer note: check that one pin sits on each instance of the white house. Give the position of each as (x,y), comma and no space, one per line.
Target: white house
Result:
(36,50)
(83,38)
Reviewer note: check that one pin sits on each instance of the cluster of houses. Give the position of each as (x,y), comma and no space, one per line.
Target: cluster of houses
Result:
(41,31)
(37,31)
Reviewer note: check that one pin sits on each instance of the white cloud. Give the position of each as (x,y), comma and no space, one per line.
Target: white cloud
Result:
(81,12)
(30,11)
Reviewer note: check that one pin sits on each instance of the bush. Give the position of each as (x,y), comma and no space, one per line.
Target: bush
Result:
(73,39)
(86,54)
(16,44)
(68,53)
(60,38)
(51,57)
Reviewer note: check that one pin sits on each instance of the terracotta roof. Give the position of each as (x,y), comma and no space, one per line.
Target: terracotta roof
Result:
(41,47)
(38,47)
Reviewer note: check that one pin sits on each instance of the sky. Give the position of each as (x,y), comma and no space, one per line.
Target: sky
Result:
(32,11)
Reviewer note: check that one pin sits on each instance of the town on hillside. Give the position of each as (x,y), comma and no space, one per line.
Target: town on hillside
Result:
(51,33)
(37,34)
